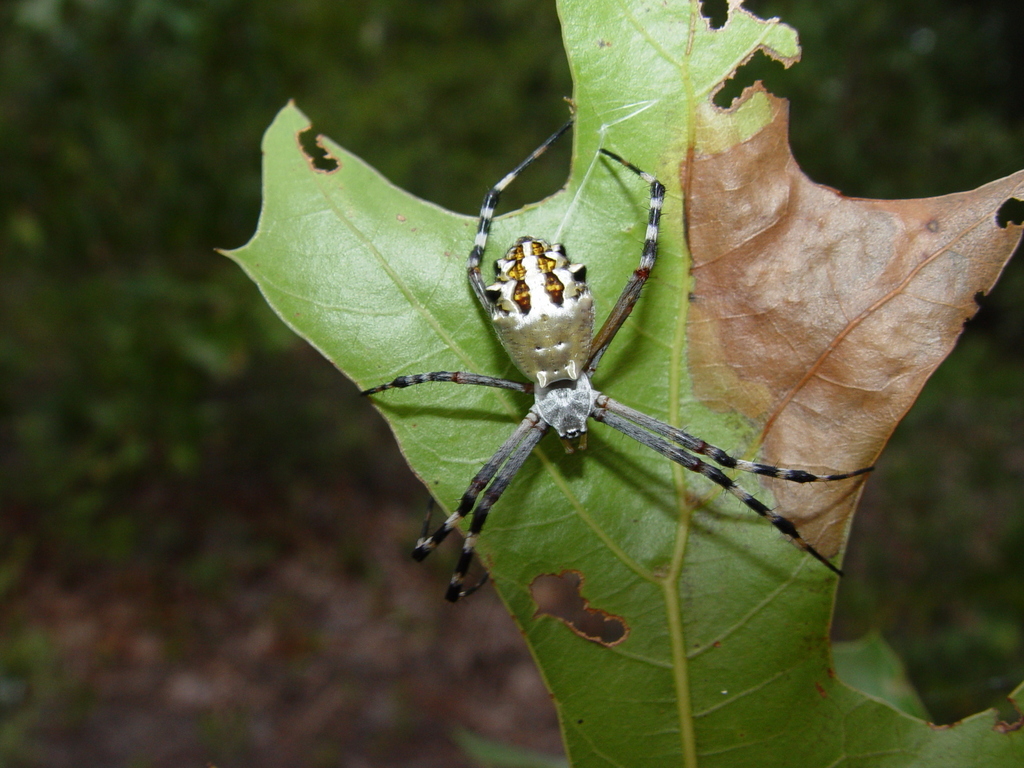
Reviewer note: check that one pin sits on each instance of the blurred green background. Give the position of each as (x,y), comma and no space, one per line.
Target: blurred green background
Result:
(165,441)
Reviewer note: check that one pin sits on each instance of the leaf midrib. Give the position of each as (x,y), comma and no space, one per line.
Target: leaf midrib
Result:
(670,586)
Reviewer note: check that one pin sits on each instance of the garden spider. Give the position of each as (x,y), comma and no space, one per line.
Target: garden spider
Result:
(543,313)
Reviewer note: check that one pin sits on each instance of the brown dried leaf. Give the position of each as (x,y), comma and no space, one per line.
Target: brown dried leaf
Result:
(820,316)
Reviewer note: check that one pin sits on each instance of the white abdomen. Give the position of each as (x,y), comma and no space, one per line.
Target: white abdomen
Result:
(543,311)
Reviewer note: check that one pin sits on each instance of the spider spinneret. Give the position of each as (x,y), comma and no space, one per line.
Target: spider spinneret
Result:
(543,313)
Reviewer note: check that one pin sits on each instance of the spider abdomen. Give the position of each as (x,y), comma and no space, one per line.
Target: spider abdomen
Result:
(542,311)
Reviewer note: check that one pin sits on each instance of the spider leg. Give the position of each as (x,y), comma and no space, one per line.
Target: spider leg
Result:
(455,377)
(496,473)
(695,444)
(500,469)
(628,298)
(483,477)
(487,216)
(427,518)
(535,431)
(692,463)
(423,535)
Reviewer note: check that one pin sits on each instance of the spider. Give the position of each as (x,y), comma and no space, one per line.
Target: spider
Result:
(543,314)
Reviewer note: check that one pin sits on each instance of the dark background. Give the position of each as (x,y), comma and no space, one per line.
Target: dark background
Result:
(204,531)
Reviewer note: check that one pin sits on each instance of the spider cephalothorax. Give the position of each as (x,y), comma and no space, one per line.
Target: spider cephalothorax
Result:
(543,313)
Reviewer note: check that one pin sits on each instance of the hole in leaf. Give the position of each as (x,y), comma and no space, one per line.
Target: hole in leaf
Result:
(716,12)
(761,68)
(1011,718)
(319,158)
(1010,212)
(559,595)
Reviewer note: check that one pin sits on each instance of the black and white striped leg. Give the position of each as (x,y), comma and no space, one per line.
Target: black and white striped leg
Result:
(692,463)
(454,377)
(495,476)
(487,216)
(428,544)
(487,500)
(425,531)
(720,457)
(628,298)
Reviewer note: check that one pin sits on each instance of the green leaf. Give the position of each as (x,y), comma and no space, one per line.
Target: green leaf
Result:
(871,666)
(722,657)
